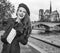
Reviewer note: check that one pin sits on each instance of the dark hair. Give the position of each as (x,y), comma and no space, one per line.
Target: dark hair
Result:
(26,19)
(24,6)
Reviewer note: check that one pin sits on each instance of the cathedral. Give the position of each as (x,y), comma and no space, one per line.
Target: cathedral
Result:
(49,15)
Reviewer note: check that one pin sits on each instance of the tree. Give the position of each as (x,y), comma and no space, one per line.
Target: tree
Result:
(6,9)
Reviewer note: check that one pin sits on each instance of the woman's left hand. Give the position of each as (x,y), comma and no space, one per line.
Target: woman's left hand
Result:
(2,32)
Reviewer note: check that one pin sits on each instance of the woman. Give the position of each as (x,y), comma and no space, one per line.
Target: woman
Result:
(22,26)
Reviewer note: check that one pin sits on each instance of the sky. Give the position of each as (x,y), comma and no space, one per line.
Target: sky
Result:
(35,5)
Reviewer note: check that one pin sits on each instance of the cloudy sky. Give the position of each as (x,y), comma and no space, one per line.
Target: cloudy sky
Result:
(35,5)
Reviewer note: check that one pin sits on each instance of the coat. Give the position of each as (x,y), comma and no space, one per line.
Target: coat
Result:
(22,36)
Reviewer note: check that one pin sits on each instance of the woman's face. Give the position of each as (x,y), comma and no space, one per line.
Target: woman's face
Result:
(21,12)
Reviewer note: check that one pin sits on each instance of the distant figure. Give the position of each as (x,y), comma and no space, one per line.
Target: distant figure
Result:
(22,26)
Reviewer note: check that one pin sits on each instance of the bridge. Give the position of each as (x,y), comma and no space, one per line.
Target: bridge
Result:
(49,24)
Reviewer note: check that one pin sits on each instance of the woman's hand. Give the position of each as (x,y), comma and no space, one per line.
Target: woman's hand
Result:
(2,32)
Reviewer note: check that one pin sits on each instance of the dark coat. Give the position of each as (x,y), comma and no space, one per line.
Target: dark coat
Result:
(23,32)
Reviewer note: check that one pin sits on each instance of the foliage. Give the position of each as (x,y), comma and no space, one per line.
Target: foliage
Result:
(6,9)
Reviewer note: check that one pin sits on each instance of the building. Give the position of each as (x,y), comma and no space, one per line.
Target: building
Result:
(45,16)
(41,14)
(54,16)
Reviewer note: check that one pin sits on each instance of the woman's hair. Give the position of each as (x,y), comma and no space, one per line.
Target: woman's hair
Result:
(26,20)
(26,25)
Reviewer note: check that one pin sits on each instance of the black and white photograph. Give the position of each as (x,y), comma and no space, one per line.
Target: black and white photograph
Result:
(29,26)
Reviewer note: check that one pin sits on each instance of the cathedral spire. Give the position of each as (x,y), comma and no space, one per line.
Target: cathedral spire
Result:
(50,7)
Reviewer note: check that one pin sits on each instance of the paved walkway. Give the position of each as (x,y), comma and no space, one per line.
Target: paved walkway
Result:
(54,39)
(24,48)
(42,46)
(28,49)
